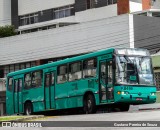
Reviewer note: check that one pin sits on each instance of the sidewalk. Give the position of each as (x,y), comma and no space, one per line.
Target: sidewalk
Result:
(144,107)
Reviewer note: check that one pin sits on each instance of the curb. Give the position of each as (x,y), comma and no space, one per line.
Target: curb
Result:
(29,118)
(144,107)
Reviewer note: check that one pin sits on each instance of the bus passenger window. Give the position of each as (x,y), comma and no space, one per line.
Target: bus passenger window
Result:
(28,81)
(89,68)
(62,74)
(75,71)
(10,82)
(36,79)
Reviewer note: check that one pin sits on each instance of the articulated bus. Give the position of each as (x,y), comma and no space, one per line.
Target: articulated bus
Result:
(117,77)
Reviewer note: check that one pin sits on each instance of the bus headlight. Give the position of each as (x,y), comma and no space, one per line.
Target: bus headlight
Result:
(124,93)
(152,94)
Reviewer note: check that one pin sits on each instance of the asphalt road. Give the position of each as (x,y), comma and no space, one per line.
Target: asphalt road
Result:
(101,119)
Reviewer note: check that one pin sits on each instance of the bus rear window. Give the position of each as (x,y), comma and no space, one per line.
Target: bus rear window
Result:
(10,83)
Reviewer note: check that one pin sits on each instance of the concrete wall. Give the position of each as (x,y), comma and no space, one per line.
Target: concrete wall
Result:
(146,32)
(5,12)
(64,41)
(134,6)
(96,13)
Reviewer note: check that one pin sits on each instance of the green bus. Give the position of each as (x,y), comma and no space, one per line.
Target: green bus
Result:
(118,77)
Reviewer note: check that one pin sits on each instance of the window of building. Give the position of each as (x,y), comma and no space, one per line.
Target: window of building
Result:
(143,14)
(63,12)
(28,19)
(37,79)
(157,80)
(10,82)
(15,67)
(90,4)
(155,14)
(110,2)
(27,81)
(75,71)
(62,74)
(89,68)
(12,69)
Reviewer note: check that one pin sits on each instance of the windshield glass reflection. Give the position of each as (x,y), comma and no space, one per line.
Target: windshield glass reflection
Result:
(134,70)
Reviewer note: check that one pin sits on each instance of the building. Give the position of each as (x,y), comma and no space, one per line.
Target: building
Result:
(51,30)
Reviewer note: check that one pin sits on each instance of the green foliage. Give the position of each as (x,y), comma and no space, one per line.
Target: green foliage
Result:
(6,31)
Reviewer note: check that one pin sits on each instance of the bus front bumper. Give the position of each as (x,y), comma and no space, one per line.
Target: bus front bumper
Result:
(135,98)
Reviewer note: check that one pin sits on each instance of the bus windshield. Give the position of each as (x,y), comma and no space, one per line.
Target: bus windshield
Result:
(134,70)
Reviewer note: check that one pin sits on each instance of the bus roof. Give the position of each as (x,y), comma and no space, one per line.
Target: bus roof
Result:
(61,62)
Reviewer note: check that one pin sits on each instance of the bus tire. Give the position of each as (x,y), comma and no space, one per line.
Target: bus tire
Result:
(124,107)
(89,104)
(28,108)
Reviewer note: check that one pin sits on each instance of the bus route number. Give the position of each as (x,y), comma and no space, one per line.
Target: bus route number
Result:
(127,88)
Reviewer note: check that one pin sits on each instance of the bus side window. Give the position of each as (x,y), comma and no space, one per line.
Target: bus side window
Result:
(62,74)
(75,71)
(89,68)
(37,79)
(28,81)
(10,83)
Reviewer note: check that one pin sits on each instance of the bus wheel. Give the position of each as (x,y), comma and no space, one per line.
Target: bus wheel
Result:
(89,104)
(124,107)
(28,109)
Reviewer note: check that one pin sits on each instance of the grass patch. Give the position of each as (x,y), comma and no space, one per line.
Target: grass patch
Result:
(158,97)
(9,118)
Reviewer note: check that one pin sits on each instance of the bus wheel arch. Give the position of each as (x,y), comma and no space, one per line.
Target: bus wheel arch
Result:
(89,103)
(28,108)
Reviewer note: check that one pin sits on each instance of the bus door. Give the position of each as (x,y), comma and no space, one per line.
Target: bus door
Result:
(49,89)
(18,103)
(106,81)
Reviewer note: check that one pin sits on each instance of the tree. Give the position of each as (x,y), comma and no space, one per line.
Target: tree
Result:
(6,31)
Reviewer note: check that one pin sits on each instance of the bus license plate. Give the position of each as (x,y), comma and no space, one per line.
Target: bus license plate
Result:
(139,99)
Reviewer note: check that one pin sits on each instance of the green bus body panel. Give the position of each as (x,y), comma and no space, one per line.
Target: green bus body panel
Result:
(36,96)
(74,91)
(134,94)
